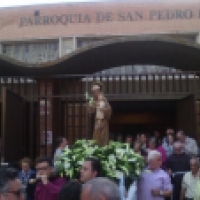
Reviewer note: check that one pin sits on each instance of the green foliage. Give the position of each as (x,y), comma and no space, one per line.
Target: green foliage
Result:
(116,158)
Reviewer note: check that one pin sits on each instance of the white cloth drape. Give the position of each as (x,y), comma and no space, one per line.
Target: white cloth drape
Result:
(132,192)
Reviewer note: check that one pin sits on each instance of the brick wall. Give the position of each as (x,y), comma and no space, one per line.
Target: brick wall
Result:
(79,19)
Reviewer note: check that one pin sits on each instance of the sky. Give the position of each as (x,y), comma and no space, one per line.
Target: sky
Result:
(11,3)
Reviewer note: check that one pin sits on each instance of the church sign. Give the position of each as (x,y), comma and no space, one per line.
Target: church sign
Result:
(102,19)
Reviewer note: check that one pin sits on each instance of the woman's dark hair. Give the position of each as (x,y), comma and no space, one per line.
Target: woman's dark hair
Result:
(44,159)
(59,141)
(70,191)
(6,175)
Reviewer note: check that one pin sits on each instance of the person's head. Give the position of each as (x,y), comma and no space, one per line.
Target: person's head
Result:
(152,143)
(137,146)
(44,166)
(61,142)
(170,131)
(143,138)
(96,89)
(170,139)
(178,148)
(25,164)
(154,159)
(194,165)
(100,189)
(119,137)
(156,134)
(11,187)
(71,191)
(129,140)
(181,136)
(90,169)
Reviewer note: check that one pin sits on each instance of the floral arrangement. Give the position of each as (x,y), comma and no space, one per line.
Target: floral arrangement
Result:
(116,159)
(71,160)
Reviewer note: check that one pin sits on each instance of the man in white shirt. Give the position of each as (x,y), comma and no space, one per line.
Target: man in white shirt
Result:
(190,180)
(61,145)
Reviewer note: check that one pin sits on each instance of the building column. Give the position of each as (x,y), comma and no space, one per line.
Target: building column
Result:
(74,43)
(60,47)
(1,48)
(198,38)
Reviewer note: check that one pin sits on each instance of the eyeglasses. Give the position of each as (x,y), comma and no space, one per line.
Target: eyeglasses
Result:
(17,193)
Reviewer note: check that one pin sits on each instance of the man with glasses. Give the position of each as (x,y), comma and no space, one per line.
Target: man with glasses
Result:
(178,164)
(48,183)
(11,187)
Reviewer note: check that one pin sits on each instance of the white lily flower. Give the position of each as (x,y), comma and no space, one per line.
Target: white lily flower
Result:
(138,172)
(112,157)
(120,153)
(132,160)
(67,165)
(80,162)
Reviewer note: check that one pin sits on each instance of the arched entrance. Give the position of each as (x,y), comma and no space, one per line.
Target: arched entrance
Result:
(56,91)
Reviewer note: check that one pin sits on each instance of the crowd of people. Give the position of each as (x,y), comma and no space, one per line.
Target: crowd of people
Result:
(172,172)
(179,156)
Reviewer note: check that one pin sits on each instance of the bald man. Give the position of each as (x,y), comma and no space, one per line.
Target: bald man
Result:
(178,164)
(101,189)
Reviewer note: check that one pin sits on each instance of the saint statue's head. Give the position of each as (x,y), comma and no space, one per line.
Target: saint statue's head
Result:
(97,89)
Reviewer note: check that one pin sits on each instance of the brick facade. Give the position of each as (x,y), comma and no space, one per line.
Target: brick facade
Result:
(89,19)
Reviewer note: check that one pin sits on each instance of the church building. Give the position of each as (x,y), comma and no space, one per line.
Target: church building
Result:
(146,54)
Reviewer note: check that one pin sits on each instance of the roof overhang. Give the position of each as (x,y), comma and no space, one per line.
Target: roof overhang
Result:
(148,50)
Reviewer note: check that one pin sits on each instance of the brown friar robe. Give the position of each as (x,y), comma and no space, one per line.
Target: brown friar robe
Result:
(102,110)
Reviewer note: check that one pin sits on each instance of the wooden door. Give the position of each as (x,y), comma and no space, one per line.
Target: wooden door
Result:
(186,115)
(13,127)
(75,121)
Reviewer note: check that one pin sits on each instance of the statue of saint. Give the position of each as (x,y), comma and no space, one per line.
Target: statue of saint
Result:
(101,107)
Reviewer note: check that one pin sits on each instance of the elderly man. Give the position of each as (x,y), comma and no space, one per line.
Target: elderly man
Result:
(189,144)
(11,187)
(154,182)
(178,164)
(101,189)
(190,181)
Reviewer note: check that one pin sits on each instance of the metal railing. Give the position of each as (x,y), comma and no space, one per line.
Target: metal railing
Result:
(57,104)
